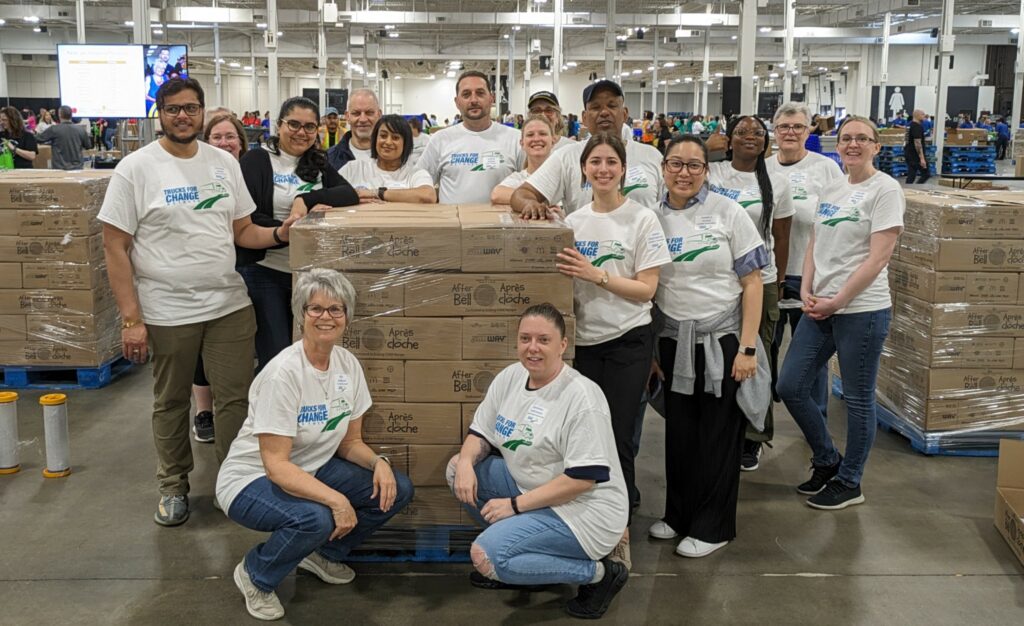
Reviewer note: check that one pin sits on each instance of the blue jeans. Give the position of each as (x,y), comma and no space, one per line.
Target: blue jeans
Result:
(790,317)
(857,338)
(298,526)
(532,548)
(271,295)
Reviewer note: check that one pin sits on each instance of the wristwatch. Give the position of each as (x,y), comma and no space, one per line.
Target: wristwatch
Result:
(382,457)
(748,350)
(129,323)
(380,192)
(604,279)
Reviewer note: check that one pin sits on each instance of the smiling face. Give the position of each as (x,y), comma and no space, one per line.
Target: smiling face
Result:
(182,128)
(363,112)
(474,98)
(604,169)
(324,328)
(540,347)
(389,144)
(224,135)
(331,122)
(605,113)
(748,139)
(791,132)
(537,140)
(296,142)
(857,144)
(684,184)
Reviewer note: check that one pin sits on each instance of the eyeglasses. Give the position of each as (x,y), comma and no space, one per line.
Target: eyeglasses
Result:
(219,138)
(315,310)
(674,166)
(190,110)
(796,129)
(296,126)
(543,110)
(861,139)
(749,133)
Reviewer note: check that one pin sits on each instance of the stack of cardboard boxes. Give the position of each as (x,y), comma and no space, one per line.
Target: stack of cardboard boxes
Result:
(438,290)
(954,358)
(56,306)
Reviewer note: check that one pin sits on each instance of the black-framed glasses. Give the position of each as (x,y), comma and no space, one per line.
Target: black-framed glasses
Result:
(791,128)
(674,166)
(860,139)
(296,126)
(174,110)
(315,310)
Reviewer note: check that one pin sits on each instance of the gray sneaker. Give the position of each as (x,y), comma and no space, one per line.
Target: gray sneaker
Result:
(328,571)
(261,604)
(172,511)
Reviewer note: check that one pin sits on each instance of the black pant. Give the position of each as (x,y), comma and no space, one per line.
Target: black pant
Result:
(914,168)
(703,445)
(1002,143)
(621,367)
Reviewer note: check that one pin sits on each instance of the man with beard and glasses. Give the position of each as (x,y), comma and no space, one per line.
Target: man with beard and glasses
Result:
(362,114)
(470,159)
(171,216)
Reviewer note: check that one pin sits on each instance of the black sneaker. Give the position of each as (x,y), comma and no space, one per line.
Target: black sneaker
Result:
(480,581)
(819,478)
(592,601)
(203,427)
(751,458)
(836,496)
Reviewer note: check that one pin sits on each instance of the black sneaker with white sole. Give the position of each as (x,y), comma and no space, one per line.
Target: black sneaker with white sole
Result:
(836,496)
(202,427)
(751,459)
(819,478)
(592,601)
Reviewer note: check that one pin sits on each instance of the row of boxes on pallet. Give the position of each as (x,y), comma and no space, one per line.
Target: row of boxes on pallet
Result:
(53,275)
(965,214)
(914,344)
(959,320)
(53,189)
(49,222)
(960,255)
(956,287)
(418,422)
(430,381)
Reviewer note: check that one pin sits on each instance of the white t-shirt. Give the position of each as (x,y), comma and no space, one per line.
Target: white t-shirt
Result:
(808,178)
(359,153)
(293,399)
(627,132)
(468,165)
(624,242)
(560,178)
(515,179)
(563,142)
(697,128)
(368,175)
(703,242)
(286,187)
(847,217)
(419,144)
(564,425)
(742,187)
(180,213)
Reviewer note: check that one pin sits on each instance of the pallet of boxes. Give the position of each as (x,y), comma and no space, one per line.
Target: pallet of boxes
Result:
(952,368)
(438,292)
(57,311)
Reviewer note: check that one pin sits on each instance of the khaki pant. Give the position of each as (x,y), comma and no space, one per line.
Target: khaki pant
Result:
(227,347)
(769,318)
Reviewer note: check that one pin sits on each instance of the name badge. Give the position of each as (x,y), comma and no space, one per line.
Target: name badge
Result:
(707,222)
(341,383)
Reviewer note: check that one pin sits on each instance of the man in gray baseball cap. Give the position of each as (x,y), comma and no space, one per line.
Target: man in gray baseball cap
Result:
(546,103)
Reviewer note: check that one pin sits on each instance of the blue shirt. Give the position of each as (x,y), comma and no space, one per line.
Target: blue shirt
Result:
(1003,130)
(927,125)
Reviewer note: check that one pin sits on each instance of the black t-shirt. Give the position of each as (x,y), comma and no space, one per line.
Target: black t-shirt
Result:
(916,131)
(27,141)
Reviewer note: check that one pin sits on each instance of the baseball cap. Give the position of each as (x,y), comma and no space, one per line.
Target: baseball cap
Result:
(330,111)
(606,85)
(543,95)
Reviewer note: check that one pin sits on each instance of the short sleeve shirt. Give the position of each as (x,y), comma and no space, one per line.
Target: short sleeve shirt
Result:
(287,186)
(368,175)
(468,165)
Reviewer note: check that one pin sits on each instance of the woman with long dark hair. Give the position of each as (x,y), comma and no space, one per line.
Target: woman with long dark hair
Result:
(16,138)
(766,197)
(290,175)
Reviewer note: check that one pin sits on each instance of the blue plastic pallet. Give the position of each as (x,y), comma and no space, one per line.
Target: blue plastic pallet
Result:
(969,169)
(427,544)
(57,378)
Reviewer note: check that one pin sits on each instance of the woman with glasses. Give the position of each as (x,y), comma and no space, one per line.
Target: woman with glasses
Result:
(388,176)
(847,310)
(709,300)
(224,131)
(290,176)
(767,200)
(299,468)
(809,174)
(538,141)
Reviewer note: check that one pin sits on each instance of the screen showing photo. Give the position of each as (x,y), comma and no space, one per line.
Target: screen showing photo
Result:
(163,63)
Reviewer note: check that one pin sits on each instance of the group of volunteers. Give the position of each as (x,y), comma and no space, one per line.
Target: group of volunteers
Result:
(686,274)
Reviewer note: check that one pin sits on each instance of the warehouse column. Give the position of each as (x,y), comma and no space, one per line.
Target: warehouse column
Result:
(497,79)
(348,72)
(787,76)
(556,49)
(863,90)
(80,20)
(705,75)
(217,62)
(141,32)
(3,80)
(654,73)
(609,41)
(321,58)
(664,106)
(1018,79)
(252,65)
(511,66)
(270,40)
(883,75)
(946,42)
(527,73)
(747,45)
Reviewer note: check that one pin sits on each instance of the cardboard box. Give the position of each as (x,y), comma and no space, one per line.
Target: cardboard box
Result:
(954,287)
(43,154)
(945,352)
(75,328)
(966,214)
(397,453)
(953,383)
(486,294)
(1002,413)
(449,381)
(967,137)
(427,464)
(49,189)
(499,241)
(379,293)
(431,506)
(497,338)
(468,412)
(404,338)
(10,276)
(86,354)
(944,320)
(401,422)
(68,249)
(1009,511)
(970,184)
(50,222)
(1018,353)
(962,255)
(12,327)
(377,239)
(385,380)
(58,275)
(83,301)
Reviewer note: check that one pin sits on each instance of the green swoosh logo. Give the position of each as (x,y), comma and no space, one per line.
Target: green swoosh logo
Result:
(478,168)
(608,257)
(837,220)
(626,190)
(334,421)
(209,202)
(693,254)
(515,443)
(306,187)
(749,203)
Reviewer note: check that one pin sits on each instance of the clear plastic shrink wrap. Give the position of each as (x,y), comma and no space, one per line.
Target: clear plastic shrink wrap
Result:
(56,306)
(438,292)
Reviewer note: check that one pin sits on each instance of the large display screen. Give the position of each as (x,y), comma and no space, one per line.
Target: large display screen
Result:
(116,80)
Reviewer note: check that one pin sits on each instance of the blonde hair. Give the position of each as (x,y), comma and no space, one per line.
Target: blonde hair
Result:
(538,118)
(863,120)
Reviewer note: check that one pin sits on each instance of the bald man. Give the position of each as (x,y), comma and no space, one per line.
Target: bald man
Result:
(913,152)
(362,114)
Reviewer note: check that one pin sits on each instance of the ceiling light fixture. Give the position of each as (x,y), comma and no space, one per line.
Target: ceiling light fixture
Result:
(392,35)
(765,29)
(261,25)
(32,19)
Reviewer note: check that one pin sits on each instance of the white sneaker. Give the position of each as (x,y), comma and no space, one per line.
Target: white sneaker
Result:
(695,548)
(261,604)
(328,571)
(661,530)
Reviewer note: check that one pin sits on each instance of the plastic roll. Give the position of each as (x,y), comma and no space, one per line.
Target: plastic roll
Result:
(58,446)
(9,433)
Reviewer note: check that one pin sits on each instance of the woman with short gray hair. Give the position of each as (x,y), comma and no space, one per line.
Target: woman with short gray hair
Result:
(299,468)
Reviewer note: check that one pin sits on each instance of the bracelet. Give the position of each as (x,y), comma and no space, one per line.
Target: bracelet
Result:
(515,505)
(276,237)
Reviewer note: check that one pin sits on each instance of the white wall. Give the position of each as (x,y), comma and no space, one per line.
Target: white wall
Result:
(32,82)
